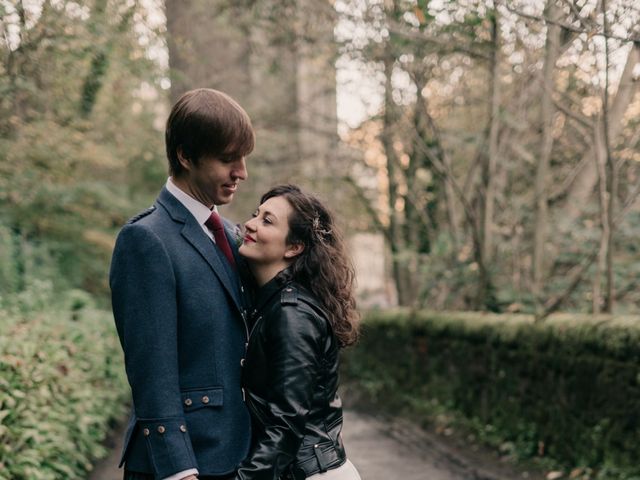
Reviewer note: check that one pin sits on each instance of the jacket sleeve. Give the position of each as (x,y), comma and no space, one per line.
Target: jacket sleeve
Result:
(145,309)
(294,345)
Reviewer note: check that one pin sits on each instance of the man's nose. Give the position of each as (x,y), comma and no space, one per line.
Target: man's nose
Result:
(239,170)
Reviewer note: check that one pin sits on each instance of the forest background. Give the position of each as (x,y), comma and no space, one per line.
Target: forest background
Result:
(481,156)
(495,147)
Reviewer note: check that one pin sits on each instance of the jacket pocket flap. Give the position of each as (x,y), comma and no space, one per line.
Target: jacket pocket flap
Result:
(208,397)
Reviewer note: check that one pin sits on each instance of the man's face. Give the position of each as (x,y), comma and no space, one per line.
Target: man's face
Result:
(214,181)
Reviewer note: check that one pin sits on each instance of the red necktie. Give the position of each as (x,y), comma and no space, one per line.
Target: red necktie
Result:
(214,223)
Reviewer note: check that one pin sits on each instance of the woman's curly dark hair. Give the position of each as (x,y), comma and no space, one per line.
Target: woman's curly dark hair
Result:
(323,267)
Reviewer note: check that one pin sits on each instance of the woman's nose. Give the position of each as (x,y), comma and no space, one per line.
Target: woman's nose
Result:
(249,225)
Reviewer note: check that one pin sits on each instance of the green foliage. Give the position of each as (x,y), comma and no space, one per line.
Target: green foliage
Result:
(564,392)
(62,386)
(79,152)
(27,272)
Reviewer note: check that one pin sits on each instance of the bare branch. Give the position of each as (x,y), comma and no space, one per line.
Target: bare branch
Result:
(572,6)
(575,275)
(578,271)
(571,28)
(360,194)
(581,119)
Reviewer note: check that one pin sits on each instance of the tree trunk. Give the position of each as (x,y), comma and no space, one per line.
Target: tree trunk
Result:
(491,159)
(485,297)
(611,172)
(208,47)
(275,58)
(401,273)
(483,242)
(441,167)
(316,94)
(601,168)
(99,60)
(585,181)
(542,172)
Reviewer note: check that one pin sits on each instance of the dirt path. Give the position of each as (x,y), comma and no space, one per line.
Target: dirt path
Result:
(383,450)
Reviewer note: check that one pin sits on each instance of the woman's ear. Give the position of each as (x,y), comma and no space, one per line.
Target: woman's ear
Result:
(293,250)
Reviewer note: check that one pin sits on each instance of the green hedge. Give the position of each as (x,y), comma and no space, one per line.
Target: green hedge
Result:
(62,387)
(567,390)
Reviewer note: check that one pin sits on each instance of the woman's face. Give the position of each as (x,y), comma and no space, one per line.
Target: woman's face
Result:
(265,237)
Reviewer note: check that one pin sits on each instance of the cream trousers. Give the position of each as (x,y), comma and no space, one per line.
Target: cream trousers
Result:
(345,472)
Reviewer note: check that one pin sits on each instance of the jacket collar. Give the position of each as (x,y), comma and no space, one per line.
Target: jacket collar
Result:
(200,211)
(269,290)
(194,234)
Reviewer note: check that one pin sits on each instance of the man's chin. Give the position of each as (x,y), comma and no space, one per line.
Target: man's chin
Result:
(224,199)
(228,192)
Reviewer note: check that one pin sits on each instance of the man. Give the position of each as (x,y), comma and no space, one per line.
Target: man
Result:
(179,305)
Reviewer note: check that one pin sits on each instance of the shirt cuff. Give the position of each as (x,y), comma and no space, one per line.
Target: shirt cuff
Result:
(181,475)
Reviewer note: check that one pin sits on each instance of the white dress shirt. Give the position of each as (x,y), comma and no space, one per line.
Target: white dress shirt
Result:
(199,211)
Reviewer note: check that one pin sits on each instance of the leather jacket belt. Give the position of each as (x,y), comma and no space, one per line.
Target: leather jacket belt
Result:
(324,457)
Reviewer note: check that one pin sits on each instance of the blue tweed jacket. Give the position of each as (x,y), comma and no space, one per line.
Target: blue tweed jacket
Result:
(179,311)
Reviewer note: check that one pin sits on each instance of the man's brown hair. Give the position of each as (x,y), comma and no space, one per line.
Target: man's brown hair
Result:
(207,122)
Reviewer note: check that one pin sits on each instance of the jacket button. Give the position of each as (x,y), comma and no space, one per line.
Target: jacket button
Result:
(205,399)
(183,429)
(161,429)
(242,362)
(146,432)
(188,402)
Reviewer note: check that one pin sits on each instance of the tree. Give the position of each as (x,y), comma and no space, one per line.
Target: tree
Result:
(77,143)
(518,245)
(276,58)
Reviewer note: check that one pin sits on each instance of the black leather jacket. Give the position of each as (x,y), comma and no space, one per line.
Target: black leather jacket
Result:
(290,379)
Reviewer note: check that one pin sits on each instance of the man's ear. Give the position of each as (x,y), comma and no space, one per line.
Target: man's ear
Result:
(293,250)
(183,159)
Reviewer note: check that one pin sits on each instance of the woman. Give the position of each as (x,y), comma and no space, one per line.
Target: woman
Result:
(304,312)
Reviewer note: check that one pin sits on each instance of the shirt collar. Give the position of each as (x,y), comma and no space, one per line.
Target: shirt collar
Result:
(199,211)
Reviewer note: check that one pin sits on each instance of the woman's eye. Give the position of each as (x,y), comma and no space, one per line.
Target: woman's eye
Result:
(267,220)
(254,214)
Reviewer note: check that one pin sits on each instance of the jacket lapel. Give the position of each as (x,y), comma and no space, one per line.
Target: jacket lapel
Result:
(243,278)
(194,234)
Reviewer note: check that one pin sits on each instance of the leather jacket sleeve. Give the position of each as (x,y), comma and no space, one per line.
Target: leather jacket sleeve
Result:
(294,348)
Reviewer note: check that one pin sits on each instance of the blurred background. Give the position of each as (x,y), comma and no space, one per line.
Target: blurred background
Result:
(481,156)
